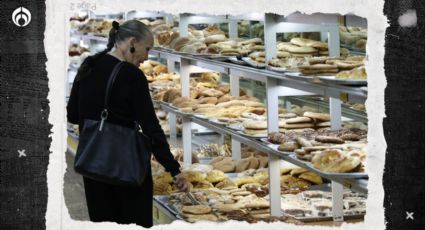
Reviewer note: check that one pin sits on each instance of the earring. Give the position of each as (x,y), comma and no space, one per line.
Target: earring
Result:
(132,50)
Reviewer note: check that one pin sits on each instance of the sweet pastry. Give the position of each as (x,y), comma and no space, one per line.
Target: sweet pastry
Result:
(215,176)
(288,146)
(244,180)
(335,161)
(328,139)
(226,208)
(226,184)
(312,177)
(298,171)
(196,209)
(202,185)
(193,176)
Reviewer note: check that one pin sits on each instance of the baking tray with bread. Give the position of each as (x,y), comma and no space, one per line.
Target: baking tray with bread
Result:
(316,205)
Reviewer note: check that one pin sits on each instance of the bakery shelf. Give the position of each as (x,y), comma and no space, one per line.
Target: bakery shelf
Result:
(326,89)
(352,181)
(346,110)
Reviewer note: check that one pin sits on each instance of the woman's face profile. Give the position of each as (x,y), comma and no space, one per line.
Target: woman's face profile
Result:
(142,48)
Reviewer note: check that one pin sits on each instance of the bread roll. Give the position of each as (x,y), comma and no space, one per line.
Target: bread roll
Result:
(212,93)
(179,42)
(298,120)
(208,100)
(215,38)
(298,126)
(254,163)
(318,116)
(312,177)
(242,165)
(255,124)
(215,176)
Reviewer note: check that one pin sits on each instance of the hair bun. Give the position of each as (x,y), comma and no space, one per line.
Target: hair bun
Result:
(115,25)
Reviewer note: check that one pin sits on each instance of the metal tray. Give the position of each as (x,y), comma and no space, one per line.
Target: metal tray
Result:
(236,61)
(354,175)
(364,89)
(202,116)
(298,75)
(250,62)
(277,69)
(324,218)
(202,55)
(235,126)
(258,136)
(218,57)
(216,121)
(334,80)
(165,202)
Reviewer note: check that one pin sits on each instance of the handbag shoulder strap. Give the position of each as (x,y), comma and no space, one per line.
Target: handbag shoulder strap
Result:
(110,83)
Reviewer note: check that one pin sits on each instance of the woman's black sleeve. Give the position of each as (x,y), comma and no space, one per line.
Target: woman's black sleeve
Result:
(72,107)
(145,114)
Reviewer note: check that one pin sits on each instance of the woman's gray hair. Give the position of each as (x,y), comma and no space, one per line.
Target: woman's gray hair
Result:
(131,28)
(118,33)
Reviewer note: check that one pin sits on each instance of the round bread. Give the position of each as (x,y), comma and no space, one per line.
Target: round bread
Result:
(226,184)
(212,93)
(179,42)
(335,161)
(225,165)
(288,146)
(196,209)
(323,124)
(287,115)
(264,161)
(254,163)
(297,171)
(311,177)
(242,165)
(256,132)
(297,120)
(318,116)
(193,176)
(255,124)
(298,126)
(225,98)
(208,100)
(215,38)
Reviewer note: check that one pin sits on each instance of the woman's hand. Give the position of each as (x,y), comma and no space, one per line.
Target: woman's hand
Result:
(181,183)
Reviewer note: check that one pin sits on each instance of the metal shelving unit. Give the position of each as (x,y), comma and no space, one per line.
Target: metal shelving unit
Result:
(277,85)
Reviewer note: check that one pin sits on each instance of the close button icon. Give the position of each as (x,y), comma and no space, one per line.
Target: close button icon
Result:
(21,17)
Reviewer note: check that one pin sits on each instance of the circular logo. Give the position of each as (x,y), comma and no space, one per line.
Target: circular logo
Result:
(21,17)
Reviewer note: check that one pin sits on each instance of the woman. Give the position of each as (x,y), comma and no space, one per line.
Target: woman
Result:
(130,101)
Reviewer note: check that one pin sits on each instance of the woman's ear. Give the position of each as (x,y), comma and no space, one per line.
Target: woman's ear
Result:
(132,41)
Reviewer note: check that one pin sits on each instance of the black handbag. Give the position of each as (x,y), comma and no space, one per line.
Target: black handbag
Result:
(112,153)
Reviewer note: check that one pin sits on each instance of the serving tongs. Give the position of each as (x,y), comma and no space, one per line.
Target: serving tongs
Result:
(192,198)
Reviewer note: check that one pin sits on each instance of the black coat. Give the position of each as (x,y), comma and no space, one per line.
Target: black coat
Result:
(130,100)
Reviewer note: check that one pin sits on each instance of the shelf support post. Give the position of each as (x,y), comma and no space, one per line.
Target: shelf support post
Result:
(337,201)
